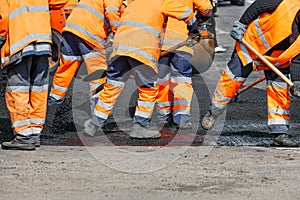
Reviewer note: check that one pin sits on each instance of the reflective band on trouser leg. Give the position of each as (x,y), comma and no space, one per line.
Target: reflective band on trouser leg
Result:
(145,106)
(107,99)
(163,99)
(38,94)
(38,101)
(17,96)
(95,60)
(183,92)
(18,107)
(64,75)
(225,91)
(278,103)
(94,94)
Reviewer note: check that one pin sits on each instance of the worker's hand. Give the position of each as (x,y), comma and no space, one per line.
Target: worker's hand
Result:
(238,31)
(194,35)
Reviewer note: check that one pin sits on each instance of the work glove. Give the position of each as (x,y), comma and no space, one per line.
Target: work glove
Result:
(238,31)
(194,34)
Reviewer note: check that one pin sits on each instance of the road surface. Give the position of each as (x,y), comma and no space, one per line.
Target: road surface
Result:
(234,161)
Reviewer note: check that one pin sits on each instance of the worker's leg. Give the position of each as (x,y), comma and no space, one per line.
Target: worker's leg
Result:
(117,75)
(181,84)
(232,78)
(145,77)
(69,63)
(39,80)
(164,97)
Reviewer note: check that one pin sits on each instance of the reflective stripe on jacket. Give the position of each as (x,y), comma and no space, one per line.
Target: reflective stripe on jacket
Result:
(140,30)
(269,30)
(92,20)
(177,32)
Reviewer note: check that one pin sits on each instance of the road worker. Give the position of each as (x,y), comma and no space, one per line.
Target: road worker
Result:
(84,38)
(175,72)
(136,48)
(272,28)
(25,56)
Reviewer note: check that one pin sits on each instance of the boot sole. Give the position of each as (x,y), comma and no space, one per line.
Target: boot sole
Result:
(282,144)
(18,148)
(276,144)
(146,137)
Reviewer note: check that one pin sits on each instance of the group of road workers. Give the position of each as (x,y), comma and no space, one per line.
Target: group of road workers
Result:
(123,39)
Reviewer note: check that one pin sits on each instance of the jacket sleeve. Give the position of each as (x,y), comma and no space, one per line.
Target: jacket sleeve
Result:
(4,12)
(179,11)
(112,12)
(257,8)
(204,7)
(57,4)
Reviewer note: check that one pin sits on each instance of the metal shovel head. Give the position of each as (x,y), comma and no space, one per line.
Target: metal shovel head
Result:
(204,53)
(295,90)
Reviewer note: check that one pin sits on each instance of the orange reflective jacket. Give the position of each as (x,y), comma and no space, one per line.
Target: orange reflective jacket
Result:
(92,20)
(140,30)
(177,32)
(3,20)
(21,29)
(269,30)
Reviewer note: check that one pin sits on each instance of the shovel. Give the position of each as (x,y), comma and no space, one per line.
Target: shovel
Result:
(294,89)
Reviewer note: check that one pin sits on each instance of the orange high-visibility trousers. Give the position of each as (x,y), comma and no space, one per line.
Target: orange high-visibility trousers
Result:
(175,88)
(75,51)
(26,95)
(234,76)
(117,74)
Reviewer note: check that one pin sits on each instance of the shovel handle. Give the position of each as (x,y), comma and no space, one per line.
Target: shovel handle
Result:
(268,63)
(173,48)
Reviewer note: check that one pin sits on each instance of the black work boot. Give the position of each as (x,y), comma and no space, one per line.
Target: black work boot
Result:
(168,127)
(284,140)
(208,120)
(16,144)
